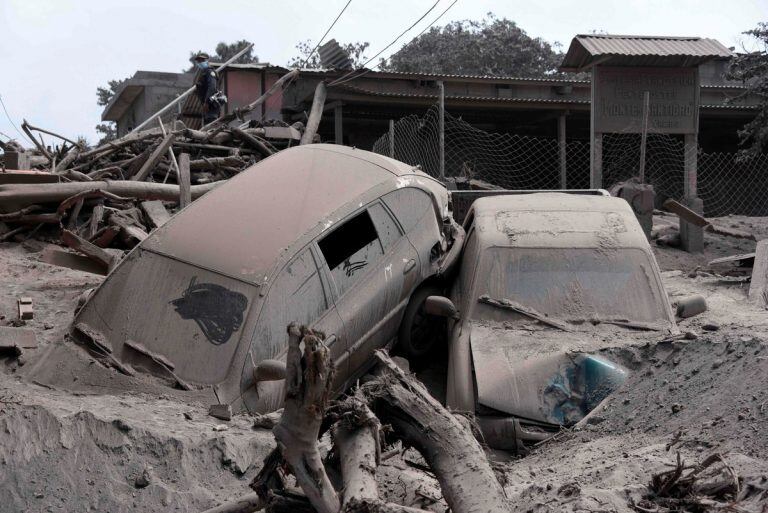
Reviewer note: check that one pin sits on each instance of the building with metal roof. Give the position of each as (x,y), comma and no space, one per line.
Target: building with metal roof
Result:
(587,50)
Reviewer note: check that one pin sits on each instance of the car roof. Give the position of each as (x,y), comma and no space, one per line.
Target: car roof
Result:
(557,220)
(241,227)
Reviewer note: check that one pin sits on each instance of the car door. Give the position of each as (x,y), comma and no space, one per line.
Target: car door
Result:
(371,265)
(298,293)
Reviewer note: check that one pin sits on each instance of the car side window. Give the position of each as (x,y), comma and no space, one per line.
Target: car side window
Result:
(350,249)
(409,206)
(386,227)
(296,295)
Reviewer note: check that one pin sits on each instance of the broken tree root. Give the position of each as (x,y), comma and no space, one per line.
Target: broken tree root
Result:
(308,387)
(467,480)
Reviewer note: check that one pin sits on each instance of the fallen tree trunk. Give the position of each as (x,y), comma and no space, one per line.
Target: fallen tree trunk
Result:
(468,483)
(308,387)
(16,196)
(357,439)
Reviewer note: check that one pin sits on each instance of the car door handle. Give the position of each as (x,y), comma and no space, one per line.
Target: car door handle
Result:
(409,265)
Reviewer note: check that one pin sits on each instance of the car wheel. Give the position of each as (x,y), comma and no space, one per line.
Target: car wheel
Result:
(419,331)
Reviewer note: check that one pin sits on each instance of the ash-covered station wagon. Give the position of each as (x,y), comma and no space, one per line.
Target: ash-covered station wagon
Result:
(322,235)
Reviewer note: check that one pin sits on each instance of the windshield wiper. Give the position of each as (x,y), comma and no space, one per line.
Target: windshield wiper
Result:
(514,306)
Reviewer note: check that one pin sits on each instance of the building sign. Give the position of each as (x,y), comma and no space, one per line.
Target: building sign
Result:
(617,101)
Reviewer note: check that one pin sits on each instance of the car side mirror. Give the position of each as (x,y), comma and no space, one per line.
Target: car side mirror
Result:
(440,306)
(269,370)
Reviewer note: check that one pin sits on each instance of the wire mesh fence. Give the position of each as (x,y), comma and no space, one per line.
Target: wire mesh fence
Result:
(726,184)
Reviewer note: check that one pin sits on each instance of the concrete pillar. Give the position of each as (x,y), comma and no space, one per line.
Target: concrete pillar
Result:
(691,237)
(561,141)
(338,124)
(596,169)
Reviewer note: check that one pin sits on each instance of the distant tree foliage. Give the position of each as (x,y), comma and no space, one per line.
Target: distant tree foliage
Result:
(491,46)
(752,69)
(356,52)
(104,94)
(224,51)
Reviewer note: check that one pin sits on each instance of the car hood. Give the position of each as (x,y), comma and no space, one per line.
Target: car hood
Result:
(545,374)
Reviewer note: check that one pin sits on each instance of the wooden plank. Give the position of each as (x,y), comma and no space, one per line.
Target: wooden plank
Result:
(18,337)
(92,251)
(63,258)
(745,259)
(156,212)
(685,213)
(156,155)
(185,196)
(758,288)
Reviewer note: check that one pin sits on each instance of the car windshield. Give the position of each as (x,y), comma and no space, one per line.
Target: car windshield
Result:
(575,284)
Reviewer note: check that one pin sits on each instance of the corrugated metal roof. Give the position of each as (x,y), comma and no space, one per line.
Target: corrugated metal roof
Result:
(448,76)
(588,49)
(367,92)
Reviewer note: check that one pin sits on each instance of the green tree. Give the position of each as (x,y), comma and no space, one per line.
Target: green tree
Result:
(752,69)
(356,52)
(491,46)
(107,130)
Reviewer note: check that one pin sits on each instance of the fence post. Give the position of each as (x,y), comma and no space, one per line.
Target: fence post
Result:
(392,138)
(644,136)
(441,130)
(691,237)
(562,147)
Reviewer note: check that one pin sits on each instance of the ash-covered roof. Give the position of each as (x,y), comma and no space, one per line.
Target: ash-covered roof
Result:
(589,49)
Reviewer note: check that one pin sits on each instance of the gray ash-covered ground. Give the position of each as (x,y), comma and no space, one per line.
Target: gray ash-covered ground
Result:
(91,439)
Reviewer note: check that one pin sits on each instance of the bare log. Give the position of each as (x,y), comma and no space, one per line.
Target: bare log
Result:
(246,504)
(69,158)
(215,162)
(451,450)
(15,196)
(92,251)
(308,387)
(185,197)
(156,155)
(315,115)
(252,141)
(127,140)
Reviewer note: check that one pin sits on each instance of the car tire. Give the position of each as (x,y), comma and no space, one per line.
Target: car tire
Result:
(419,331)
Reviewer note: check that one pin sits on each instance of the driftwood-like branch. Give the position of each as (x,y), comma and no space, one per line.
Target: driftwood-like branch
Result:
(315,114)
(308,387)
(38,145)
(246,504)
(252,141)
(54,134)
(156,155)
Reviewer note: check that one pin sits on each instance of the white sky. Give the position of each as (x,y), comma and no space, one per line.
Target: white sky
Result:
(56,52)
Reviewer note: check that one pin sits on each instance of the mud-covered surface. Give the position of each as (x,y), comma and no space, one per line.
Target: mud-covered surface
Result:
(78,436)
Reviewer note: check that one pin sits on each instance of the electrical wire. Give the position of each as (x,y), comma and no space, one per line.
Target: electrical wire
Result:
(343,78)
(10,120)
(326,33)
(337,82)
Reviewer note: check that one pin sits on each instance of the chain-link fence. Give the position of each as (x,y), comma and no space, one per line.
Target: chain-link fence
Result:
(725,184)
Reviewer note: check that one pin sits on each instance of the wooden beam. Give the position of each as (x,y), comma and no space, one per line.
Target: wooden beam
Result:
(156,155)
(185,194)
(758,287)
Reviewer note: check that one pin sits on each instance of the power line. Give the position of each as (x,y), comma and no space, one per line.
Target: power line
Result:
(10,120)
(339,82)
(326,33)
(343,79)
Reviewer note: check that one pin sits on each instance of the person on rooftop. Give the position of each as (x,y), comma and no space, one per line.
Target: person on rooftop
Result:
(206,88)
